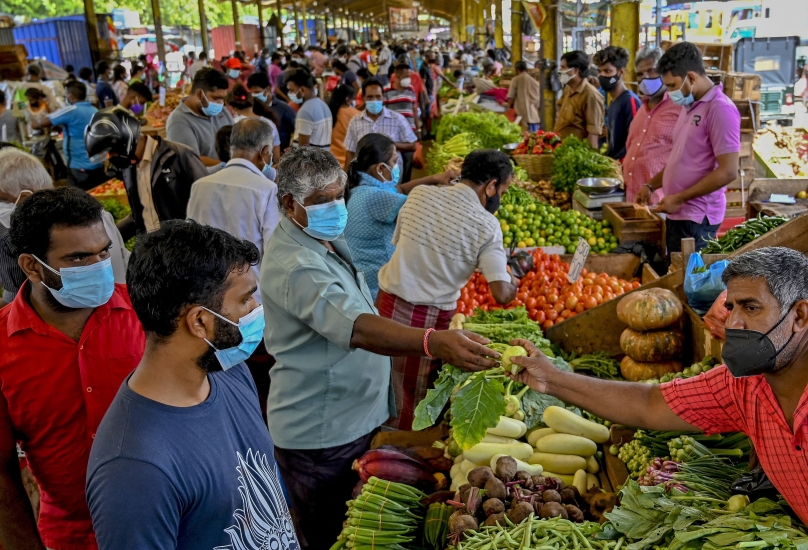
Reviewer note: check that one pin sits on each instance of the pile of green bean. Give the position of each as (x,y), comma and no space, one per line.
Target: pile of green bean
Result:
(386,515)
(436,526)
(543,534)
(742,234)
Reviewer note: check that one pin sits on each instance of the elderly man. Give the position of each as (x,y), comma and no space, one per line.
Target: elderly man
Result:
(704,157)
(69,339)
(524,95)
(157,173)
(200,115)
(650,136)
(24,174)
(761,391)
(33,79)
(331,385)
(240,198)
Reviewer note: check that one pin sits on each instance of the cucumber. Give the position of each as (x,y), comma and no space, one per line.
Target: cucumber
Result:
(564,421)
(579,481)
(592,466)
(567,444)
(535,435)
(508,427)
(592,481)
(563,464)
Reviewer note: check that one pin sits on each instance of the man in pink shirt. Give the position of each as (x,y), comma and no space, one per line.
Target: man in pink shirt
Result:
(650,136)
(275,69)
(704,158)
(318,60)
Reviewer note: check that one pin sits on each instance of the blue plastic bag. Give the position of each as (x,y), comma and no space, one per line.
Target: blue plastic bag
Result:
(702,289)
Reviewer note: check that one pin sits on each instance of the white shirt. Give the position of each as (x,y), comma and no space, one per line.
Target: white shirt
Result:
(144,186)
(443,234)
(238,199)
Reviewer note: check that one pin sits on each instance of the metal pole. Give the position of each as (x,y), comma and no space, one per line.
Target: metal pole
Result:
(91,24)
(203,27)
(158,32)
(260,25)
(236,25)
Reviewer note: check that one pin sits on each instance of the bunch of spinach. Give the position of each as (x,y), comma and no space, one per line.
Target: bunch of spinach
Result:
(575,160)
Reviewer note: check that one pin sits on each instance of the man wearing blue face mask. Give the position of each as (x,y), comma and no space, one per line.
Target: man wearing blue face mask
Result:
(330,387)
(182,459)
(378,119)
(200,115)
(69,339)
(314,121)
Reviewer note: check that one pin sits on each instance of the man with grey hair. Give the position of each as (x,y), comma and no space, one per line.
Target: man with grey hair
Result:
(23,174)
(240,198)
(762,390)
(331,386)
(650,136)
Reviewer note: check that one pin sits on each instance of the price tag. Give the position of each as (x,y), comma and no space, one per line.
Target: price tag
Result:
(578,260)
(162,96)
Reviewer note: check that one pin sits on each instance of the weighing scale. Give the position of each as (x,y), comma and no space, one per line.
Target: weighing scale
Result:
(592,205)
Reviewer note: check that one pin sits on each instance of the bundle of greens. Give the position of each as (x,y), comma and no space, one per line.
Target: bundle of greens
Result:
(440,154)
(479,399)
(575,160)
(118,210)
(491,129)
(599,364)
(654,518)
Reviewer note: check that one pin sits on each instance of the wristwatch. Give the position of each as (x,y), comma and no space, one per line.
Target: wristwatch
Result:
(648,185)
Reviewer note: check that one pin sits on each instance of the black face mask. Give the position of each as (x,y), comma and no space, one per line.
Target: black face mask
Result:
(492,203)
(608,83)
(749,352)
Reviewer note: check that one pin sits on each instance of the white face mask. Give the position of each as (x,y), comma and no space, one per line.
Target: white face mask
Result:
(564,77)
(406,82)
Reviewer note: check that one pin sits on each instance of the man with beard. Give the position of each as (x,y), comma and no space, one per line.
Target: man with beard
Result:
(69,339)
(762,390)
(182,459)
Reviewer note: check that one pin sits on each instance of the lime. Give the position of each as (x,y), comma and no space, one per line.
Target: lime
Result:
(606,223)
(519,234)
(509,207)
(540,241)
(506,228)
(530,242)
(532,207)
(592,241)
(571,249)
(507,240)
(601,241)
(520,209)
(521,244)
(606,230)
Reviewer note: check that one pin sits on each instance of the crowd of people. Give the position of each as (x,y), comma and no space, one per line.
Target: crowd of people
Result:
(278,231)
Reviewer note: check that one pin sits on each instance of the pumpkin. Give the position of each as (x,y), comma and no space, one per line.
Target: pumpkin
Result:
(649,309)
(654,345)
(638,370)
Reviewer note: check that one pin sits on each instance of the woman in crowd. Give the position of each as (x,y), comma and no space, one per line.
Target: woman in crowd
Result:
(241,101)
(375,197)
(119,84)
(497,65)
(330,387)
(343,109)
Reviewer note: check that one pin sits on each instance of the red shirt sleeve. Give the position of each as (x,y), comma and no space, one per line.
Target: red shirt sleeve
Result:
(706,401)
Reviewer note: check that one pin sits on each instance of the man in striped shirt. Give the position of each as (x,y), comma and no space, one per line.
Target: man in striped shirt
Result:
(400,98)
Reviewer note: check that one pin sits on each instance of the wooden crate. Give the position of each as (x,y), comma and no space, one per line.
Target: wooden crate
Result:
(742,86)
(13,62)
(717,57)
(750,115)
(746,145)
(718,77)
(747,163)
(631,223)
(736,199)
(743,181)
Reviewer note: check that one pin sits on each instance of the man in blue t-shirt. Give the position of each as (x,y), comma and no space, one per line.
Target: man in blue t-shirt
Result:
(103,89)
(182,459)
(74,119)
(624,103)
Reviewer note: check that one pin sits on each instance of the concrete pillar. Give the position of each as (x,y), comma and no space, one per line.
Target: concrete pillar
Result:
(549,50)
(203,27)
(516,31)
(236,26)
(463,20)
(498,20)
(625,31)
(479,25)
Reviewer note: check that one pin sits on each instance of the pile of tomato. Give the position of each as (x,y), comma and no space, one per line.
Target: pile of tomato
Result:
(546,293)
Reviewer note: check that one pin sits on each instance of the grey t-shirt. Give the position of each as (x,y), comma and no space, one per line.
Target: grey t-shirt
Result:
(197,132)
(314,119)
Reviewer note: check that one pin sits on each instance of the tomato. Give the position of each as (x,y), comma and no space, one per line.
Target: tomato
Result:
(531,303)
(552,298)
(590,302)
(540,316)
(541,301)
(565,314)
(552,315)
(559,306)
(546,325)
(571,302)
(579,307)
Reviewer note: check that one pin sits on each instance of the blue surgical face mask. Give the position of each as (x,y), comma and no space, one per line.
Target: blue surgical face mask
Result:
(212,109)
(83,287)
(326,221)
(650,86)
(234,73)
(680,98)
(295,98)
(395,174)
(251,327)
(262,97)
(374,107)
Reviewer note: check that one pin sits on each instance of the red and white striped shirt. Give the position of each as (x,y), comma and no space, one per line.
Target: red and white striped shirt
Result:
(717,402)
(650,140)
(402,102)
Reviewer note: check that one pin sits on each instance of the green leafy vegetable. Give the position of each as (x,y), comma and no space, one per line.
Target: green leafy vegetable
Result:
(575,160)
(491,129)
(504,325)
(476,407)
(118,210)
(429,409)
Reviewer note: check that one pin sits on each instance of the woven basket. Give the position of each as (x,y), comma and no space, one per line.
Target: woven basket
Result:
(538,167)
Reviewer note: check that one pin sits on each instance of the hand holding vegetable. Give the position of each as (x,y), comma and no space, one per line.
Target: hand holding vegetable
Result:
(536,366)
(668,205)
(462,349)
(447,177)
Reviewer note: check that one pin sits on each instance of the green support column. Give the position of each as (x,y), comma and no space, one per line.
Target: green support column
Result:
(91,25)
(463,21)
(236,25)
(498,33)
(516,31)
(625,31)
(479,25)
(203,27)
(279,21)
(158,31)
(550,51)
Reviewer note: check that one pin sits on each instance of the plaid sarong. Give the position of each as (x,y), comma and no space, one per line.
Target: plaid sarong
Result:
(412,376)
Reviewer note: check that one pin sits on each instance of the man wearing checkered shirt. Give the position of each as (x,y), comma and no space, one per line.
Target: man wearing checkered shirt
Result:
(762,390)
(377,119)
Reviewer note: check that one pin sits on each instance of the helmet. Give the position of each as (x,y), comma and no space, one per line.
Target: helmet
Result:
(113,130)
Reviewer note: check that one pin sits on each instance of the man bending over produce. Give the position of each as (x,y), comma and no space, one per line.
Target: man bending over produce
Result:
(330,387)
(443,234)
(762,390)
(704,158)
(182,459)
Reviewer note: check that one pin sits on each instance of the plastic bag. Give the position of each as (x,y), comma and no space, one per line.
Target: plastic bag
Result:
(717,316)
(703,288)
(755,485)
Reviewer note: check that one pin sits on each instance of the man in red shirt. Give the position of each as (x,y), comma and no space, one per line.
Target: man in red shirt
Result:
(762,390)
(69,339)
